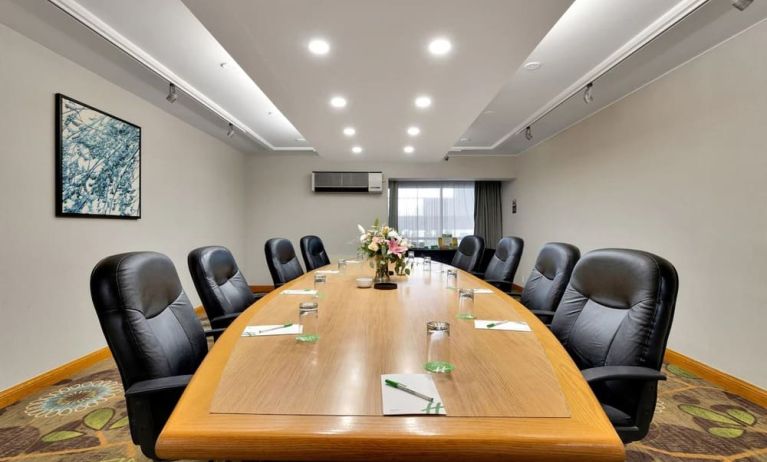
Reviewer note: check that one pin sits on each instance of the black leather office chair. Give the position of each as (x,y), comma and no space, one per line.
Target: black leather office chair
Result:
(282,261)
(469,253)
(220,284)
(154,334)
(614,320)
(548,279)
(313,252)
(503,265)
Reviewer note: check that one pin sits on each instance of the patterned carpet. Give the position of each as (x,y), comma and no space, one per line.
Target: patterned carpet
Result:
(84,419)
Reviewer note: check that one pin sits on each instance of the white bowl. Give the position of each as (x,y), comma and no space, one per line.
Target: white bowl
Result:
(364,283)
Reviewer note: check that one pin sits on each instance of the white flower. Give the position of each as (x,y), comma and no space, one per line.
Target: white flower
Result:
(393,234)
(362,230)
(373,246)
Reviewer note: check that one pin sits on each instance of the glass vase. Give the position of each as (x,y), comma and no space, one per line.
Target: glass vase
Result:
(382,269)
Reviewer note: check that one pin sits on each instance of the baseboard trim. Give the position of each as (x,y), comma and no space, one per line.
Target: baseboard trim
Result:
(724,380)
(65,371)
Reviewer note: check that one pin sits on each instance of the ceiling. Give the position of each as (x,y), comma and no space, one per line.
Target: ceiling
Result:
(246,62)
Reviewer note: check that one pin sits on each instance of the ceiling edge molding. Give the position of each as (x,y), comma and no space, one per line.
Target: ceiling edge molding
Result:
(657,27)
(101,28)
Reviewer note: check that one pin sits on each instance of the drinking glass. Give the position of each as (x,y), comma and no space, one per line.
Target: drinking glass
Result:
(342,265)
(438,347)
(319,281)
(309,319)
(465,304)
(427,263)
(452,279)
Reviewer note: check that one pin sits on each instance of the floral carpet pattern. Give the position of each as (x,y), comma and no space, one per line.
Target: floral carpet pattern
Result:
(84,419)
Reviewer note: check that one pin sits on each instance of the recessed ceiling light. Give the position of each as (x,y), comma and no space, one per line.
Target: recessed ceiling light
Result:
(356,149)
(408,149)
(319,47)
(440,46)
(423,102)
(338,101)
(349,131)
(413,131)
(532,65)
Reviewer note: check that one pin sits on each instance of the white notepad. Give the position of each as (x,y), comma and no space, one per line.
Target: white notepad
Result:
(398,402)
(511,325)
(299,292)
(327,271)
(257,331)
(483,291)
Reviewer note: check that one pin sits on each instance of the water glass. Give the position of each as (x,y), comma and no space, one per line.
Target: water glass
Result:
(309,319)
(465,303)
(342,265)
(438,347)
(319,281)
(452,279)
(427,263)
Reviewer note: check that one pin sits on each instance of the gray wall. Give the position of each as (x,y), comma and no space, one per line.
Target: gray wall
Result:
(281,203)
(680,169)
(193,189)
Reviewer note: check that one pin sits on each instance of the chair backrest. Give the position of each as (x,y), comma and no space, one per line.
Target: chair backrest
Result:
(550,275)
(617,311)
(282,261)
(504,262)
(219,281)
(147,319)
(313,252)
(469,253)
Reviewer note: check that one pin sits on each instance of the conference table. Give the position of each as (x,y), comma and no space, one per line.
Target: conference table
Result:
(512,395)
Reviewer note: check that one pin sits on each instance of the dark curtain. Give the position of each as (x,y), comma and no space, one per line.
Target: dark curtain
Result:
(393,201)
(487,212)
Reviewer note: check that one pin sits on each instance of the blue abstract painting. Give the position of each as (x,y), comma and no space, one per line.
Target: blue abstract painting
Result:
(98,163)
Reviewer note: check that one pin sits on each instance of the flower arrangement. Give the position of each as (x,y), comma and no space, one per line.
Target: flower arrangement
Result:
(384,245)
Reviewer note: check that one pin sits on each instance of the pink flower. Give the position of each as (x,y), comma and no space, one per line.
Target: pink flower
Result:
(396,248)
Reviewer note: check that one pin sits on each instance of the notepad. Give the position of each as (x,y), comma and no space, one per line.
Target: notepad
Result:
(257,331)
(483,291)
(327,271)
(510,325)
(398,402)
(299,292)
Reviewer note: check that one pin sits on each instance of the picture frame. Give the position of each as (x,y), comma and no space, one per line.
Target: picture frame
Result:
(98,162)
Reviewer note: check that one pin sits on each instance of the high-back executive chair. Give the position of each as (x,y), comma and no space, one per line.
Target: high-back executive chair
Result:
(503,264)
(154,334)
(313,251)
(282,261)
(220,284)
(548,279)
(469,253)
(614,320)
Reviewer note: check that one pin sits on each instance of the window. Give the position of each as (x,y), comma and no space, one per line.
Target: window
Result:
(427,210)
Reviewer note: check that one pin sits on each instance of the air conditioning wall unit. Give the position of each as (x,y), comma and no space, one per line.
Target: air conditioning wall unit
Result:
(369,182)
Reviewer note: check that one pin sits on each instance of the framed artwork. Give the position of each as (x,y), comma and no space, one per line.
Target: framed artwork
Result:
(98,163)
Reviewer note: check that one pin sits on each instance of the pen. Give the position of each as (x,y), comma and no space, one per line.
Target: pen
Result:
(404,388)
(497,323)
(275,328)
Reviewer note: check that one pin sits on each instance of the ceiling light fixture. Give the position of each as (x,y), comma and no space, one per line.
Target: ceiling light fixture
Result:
(356,149)
(349,131)
(532,65)
(338,102)
(440,46)
(408,149)
(172,95)
(230,132)
(529,133)
(423,102)
(413,131)
(587,96)
(319,47)
(301,140)
(741,4)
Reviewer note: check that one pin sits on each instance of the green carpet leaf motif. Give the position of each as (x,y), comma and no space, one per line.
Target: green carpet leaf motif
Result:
(98,418)
(742,415)
(707,414)
(724,432)
(120,423)
(679,372)
(60,436)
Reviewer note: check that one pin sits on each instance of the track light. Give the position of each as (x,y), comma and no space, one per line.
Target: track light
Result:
(741,4)
(230,133)
(529,133)
(587,96)
(172,96)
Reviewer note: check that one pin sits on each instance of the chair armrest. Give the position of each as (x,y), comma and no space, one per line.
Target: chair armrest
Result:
(545,316)
(504,286)
(221,322)
(478,274)
(600,374)
(259,295)
(153,386)
(215,333)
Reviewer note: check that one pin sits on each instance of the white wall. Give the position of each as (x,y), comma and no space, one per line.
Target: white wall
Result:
(281,203)
(192,195)
(680,169)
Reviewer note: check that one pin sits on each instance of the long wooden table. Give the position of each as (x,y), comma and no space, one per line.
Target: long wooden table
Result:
(513,395)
